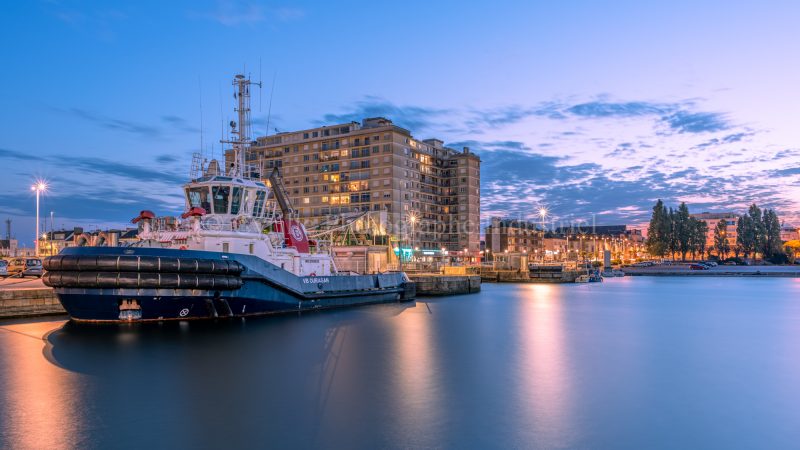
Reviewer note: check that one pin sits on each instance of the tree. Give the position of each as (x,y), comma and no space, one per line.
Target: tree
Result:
(683,230)
(759,232)
(721,239)
(792,249)
(673,244)
(658,231)
(771,244)
(745,236)
(699,232)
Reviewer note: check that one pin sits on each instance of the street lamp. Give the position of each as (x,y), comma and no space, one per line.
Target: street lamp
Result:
(413,219)
(39,187)
(543,214)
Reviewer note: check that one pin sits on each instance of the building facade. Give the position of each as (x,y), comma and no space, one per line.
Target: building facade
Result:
(512,236)
(563,243)
(427,196)
(711,219)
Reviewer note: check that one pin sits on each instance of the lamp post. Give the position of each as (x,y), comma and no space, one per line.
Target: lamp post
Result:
(543,215)
(39,187)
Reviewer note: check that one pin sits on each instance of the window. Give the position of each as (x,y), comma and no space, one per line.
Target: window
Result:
(306,200)
(260,196)
(225,247)
(353,198)
(236,200)
(375,149)
(305,135)
(198,198)
(221,195)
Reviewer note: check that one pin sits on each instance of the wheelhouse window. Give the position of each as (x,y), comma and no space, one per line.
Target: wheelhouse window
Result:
(198,198)
(221,195)
(236,200)
(259,205)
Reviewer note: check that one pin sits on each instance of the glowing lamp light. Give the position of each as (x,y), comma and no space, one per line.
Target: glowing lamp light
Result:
(543,212)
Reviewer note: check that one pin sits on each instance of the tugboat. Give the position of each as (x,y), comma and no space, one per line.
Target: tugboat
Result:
(239,250)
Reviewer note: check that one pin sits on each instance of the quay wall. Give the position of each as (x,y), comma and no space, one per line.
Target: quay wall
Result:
(28,303)
(516,276)
(438,285)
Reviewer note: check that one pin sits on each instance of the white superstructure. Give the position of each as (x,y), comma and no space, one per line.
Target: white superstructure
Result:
(230,210)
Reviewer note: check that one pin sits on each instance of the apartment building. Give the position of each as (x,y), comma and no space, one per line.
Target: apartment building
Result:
(563,243)
(711,220)
(427,196)
(514,236)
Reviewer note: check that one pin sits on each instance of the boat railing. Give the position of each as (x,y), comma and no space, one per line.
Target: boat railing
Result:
(241,224)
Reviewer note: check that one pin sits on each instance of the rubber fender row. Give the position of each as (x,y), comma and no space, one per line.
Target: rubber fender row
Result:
(134,263)
(140,280)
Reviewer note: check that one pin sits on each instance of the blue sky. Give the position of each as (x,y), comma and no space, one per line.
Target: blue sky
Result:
(593,108)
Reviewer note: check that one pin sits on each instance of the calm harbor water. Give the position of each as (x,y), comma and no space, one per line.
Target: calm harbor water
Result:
(629,363)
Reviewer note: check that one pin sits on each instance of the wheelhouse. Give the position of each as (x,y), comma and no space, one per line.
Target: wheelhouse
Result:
(225,195)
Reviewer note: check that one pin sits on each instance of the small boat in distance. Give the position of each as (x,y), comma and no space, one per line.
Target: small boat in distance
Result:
(238,250)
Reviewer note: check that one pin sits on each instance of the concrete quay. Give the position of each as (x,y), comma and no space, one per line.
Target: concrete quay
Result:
(517,276)
(440,285)
(719,271)
(28,302)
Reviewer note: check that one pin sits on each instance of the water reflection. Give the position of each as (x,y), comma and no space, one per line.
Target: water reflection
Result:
(544,370)
(679,363)
(39,402)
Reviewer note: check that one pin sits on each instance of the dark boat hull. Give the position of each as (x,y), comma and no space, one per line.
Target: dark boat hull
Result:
(263,289)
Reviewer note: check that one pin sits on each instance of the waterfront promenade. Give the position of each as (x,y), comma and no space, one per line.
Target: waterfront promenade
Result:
(683,269)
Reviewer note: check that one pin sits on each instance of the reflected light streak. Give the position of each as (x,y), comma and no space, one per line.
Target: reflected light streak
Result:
(545,366)
(418,386)
(38,397)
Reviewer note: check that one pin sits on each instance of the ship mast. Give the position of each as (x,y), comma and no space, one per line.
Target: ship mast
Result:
(240,132)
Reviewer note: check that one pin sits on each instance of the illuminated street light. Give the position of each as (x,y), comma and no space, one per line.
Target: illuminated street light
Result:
(39,187)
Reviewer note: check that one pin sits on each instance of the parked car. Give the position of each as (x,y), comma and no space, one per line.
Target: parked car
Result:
(25,267)
(730,263)
(697,266)
(3,268)
(710,263)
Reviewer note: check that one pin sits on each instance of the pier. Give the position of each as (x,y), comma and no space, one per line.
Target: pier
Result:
(27,298)
(719,271)
(441,285)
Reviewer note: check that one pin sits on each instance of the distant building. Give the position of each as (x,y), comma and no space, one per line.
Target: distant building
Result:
(789,233)
(428,194)
(8,247)
(54,241)
(563,243)
(711,219)
(514,236)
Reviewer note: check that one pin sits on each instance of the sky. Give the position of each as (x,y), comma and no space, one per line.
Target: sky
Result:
(594,109)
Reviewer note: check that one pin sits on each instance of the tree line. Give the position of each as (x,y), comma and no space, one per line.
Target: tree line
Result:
(673,232)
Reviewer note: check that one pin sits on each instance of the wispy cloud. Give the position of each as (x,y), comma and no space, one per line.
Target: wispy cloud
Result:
(697,122)
(170,124)
(411,117)
(233,13)
(11,154)
(114,124)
